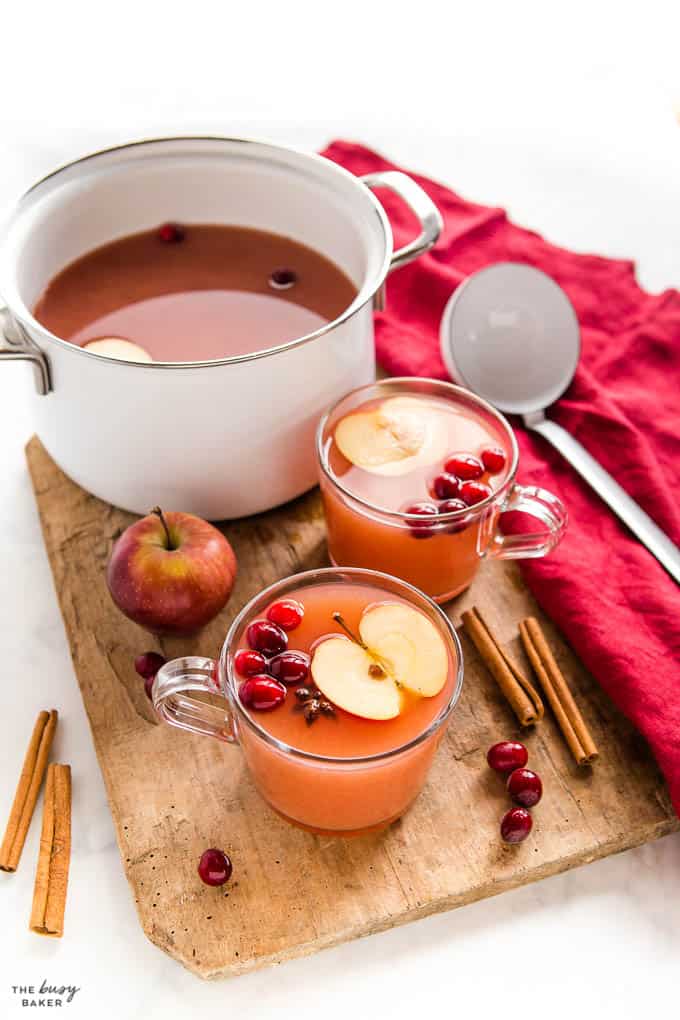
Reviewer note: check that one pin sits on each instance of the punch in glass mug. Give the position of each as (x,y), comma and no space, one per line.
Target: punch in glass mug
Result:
(363,534)
(342,796)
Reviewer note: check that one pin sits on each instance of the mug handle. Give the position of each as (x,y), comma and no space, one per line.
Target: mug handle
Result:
(420,204)
(18,347)
(543,505)
(174,704)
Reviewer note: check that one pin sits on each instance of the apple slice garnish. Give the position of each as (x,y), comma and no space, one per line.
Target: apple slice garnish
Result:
(116,347)
(397,648)
(408,645)
(342,672)
(395,437)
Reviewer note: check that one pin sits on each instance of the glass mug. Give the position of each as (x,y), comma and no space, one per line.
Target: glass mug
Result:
(363,534)
(343,796)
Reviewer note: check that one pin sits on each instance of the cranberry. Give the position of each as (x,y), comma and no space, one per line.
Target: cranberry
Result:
(525,787)
(445,486)
(464,466)
(249,663)
(214,867)
(448,507)
(171,233)
(493,459)
(282,279)
(262,693)
(286,613)
(266,637)
(290,667)
(474,492)
(507,756)
(418,529)
(147,665)
(515,825)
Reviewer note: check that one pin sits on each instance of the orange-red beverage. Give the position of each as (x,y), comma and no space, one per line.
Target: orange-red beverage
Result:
(337,684)
(414,475)
(339,772)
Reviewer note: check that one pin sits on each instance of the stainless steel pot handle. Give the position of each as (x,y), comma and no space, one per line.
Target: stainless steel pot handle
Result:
(17,346)
(420,203)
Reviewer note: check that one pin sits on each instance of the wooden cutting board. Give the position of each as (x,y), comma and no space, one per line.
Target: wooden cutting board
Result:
(173,794)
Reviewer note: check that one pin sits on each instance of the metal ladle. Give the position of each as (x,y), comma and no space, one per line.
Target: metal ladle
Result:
(510,334)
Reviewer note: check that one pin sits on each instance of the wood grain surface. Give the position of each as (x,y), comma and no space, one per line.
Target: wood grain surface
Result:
(173,794)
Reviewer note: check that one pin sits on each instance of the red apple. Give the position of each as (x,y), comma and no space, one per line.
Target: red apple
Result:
(171,572)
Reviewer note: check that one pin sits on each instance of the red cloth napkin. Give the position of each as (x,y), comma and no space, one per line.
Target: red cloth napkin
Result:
(617,606)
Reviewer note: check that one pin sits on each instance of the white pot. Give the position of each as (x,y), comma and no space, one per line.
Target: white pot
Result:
(218,438)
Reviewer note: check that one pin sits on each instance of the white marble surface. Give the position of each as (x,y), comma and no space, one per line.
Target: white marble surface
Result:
(563,113)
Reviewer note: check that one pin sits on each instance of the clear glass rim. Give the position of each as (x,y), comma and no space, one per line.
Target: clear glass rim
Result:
(451,391)
(307,578)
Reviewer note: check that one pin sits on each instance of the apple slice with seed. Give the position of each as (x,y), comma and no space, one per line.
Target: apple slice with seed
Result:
(342,671)
(408,645)
(397,647)
(395,437)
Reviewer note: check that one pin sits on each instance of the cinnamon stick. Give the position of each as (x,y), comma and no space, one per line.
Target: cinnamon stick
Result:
(523,697)
(27,790)
(51,879)
(557,692)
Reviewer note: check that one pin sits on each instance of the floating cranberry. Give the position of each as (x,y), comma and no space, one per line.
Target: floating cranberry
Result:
(494,459)
(267,637)
(507,756)
(515,825)
(445,486)
(283,279)
(450,506)
(474,492)
(249,663)
(290,667)
(525,787)
(147,665)
(424,509)
(214,867)
(464,466)
(286,613)
(171,233)
(262,693)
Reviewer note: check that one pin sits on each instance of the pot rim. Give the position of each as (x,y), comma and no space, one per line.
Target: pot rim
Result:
(365,294)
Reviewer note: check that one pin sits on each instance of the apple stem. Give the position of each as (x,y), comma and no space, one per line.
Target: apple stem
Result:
(159,513)
(376,670)
(350,633)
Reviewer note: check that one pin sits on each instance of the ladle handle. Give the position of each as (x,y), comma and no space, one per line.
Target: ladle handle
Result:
(640,523)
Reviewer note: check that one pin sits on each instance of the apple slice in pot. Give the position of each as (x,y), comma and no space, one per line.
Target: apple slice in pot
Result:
(119,348)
